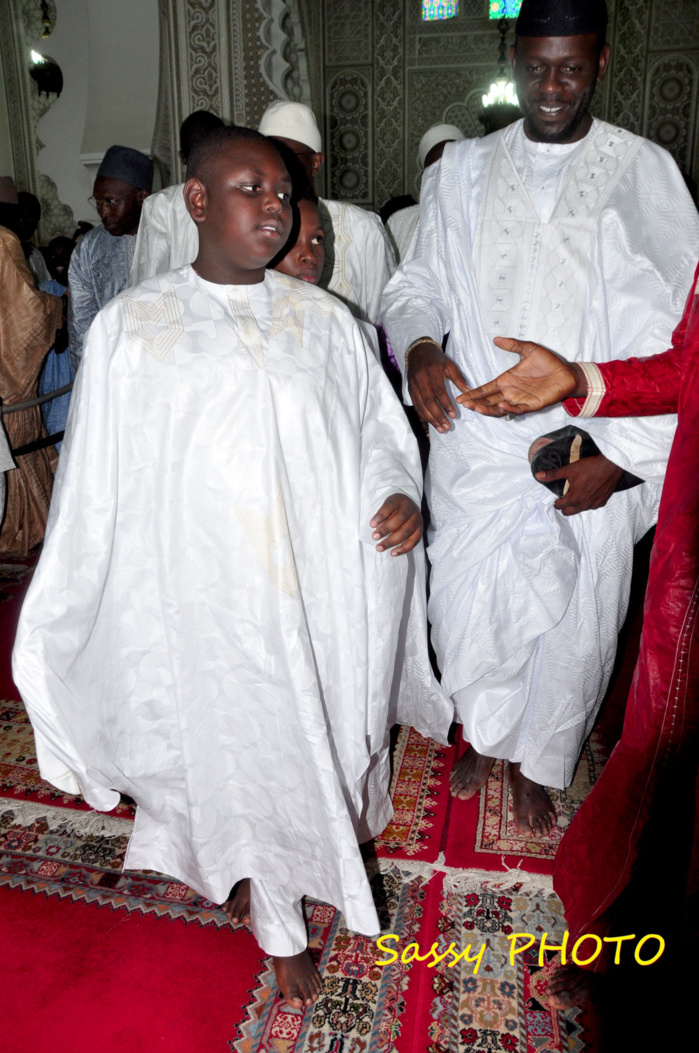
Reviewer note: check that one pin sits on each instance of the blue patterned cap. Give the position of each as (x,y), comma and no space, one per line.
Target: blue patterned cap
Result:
(127,165)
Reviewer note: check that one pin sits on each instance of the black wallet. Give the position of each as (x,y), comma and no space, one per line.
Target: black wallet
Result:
(564,446)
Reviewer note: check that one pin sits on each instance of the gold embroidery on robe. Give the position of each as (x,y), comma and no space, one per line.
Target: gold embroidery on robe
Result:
(246,324)
(156,326)
(269,535)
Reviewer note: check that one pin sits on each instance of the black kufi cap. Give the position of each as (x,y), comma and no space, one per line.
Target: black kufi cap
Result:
(561,18)
(127,165)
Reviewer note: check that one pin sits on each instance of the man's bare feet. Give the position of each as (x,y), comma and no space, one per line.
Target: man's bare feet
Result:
(470,774)
(299,981)
(572,986)
(533,809)
(237,906)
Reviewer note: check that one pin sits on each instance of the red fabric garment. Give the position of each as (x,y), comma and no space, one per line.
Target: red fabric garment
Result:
(658,746)
(640,387)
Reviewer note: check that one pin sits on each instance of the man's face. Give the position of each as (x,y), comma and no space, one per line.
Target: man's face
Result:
(556,78)
(119,205)
(305,258)
(310,160)
(29,216)
(243,212)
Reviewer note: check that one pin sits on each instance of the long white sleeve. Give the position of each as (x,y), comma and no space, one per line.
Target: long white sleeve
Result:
(167,235)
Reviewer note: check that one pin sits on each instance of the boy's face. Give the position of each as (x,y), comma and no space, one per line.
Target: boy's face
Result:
(305,258)
(242,210)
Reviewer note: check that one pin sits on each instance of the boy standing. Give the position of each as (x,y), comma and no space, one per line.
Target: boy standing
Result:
(216,626)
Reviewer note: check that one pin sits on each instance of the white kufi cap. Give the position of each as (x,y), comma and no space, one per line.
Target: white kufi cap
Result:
(436,134)
(292,120)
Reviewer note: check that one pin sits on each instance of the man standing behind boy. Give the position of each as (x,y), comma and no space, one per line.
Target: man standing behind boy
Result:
(167,236)
(101,263)
(217,627)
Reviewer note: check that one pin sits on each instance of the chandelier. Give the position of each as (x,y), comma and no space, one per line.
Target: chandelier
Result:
(500,106)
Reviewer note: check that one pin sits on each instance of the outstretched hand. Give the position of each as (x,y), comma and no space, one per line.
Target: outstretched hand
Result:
(540,379)
(398,522)
(428,369)
(591,483)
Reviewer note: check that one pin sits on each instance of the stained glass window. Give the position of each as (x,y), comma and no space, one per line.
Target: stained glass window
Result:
(432,11)
(502,8)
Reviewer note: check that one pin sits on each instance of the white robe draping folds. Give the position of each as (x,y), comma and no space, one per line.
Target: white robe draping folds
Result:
(210,628)
(359,258)
(167,235)
(525,603)
(402,227)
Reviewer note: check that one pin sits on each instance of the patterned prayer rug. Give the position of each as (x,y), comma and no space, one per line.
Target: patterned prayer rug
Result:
(430,826)
(420,793)
(20,781)
(499,1004)
(496,832)
(412,1005)
(40,823)
(78,865)
(362,1003)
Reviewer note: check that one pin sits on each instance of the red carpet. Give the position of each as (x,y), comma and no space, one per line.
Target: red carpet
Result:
(78,980)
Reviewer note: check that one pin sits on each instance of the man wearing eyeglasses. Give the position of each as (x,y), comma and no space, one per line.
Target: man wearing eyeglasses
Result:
(101,263)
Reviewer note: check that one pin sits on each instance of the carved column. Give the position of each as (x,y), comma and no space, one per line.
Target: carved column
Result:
(229,56)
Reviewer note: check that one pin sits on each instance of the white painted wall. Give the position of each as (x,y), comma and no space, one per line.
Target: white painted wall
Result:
(108,53)
(62,126)
(123,74)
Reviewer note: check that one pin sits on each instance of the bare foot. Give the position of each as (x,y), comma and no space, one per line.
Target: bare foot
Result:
(470,774)
(533,809)
(572,986)
(237,906)
(299,981)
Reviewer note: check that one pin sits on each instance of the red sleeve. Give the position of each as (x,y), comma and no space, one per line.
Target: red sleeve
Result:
(641,387)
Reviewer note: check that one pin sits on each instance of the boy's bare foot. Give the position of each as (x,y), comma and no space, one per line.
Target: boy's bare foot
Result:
(237,906)
(533,809)
(299,981)
(571,986)
(470,774)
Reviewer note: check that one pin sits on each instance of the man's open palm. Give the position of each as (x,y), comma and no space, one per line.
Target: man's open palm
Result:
(540,379)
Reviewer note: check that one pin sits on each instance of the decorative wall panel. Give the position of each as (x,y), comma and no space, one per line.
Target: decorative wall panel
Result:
(165,135)
(629,37)
(204,62)
(675,23)
(671,108)
(451,47)
(349,143)
(348,31)
(390,124)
